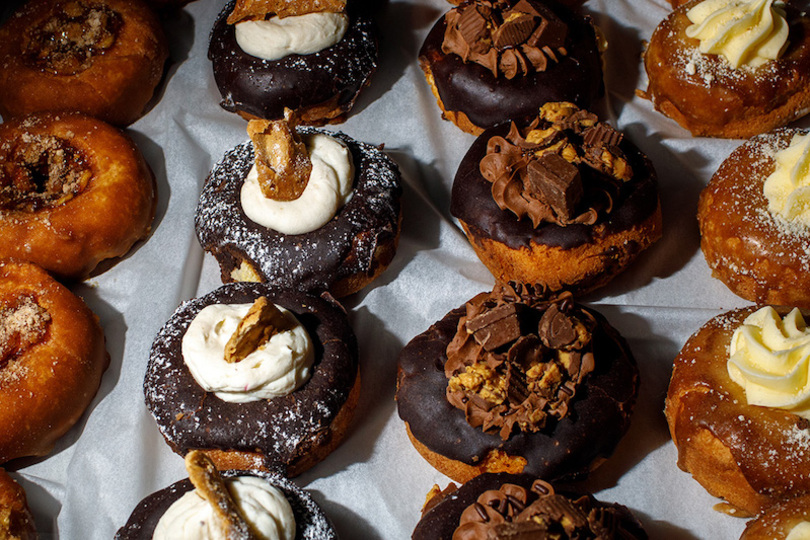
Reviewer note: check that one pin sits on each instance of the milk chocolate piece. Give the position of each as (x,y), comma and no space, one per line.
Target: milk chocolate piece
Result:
(602,135)
(513,31)
(556,182)
(495,327)
(556,329)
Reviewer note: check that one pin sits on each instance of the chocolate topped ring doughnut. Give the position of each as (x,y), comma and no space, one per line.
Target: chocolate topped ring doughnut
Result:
(718,79)
(318,79)
(490,61)
(341,254)
(288,420)
(513,382)
(259,505)
(52,357)
(74,192)
(16,522)
(568,201)
(100,57)
(520,506)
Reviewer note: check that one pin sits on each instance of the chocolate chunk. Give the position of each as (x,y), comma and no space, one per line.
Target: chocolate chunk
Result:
(557,509)
(517,390)
(514,31)
(556,329)
(550,32)
(525,7)
(580,120)
(556,182)
(602,135)
(522,530)
(496,327)
(472,25)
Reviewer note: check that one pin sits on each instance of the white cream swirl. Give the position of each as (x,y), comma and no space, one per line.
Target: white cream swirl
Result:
(745,32)
(328,190)
(276,38)
(263,506)
(800,531)
(788,187)
(769,356)
(276,369)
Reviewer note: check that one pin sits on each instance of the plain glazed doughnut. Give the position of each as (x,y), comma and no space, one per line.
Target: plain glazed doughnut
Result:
(74,191)
(53,357)
(289,433)
(16,522)
(100,57)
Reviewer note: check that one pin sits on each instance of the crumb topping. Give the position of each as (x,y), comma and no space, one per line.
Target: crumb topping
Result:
(23,324)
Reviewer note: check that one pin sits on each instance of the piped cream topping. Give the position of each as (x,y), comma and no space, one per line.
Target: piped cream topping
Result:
(745,32)
(800,531)
(769,356)
(276,37)
(263,506)
(328,190)
(788,187)
(275,369)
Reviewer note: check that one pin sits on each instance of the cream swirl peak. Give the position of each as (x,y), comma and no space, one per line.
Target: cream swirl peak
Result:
(745,32)
(800,531)
(769,356)
(788,187)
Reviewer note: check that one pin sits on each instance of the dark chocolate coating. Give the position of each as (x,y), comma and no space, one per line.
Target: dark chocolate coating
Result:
(471,202)
(264,88)
(284,429)
(313,261)
(488,100)
(441,521)
(565,449)
(310,521)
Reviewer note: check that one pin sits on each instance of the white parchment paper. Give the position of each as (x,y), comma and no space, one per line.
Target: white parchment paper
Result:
(374,485)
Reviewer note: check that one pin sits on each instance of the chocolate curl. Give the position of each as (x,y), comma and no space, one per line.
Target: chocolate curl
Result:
(282,158)
(259,9)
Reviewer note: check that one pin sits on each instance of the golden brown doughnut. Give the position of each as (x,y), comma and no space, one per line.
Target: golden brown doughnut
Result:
(16,522)
(100,57)
(51,360)
(752,456)
(74,191)
(705,95)
(759,256)
(777,522)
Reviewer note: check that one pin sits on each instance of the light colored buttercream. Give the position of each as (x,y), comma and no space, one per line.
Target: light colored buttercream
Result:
(788,187)
(328,189)
(277,368)
(745,32)
(801,531)
(276,38)
(769,357)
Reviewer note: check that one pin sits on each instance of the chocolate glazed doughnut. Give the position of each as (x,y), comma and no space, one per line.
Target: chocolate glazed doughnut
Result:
(320,87)
(290,433)
(342,256)
(311,522)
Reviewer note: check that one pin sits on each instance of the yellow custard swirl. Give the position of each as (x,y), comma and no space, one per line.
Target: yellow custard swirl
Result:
(788,187)
(769,357)
(745,32)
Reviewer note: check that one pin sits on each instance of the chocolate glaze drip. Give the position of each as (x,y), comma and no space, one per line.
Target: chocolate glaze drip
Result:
(488,100)
(564,449)
(441,521)
(310,521)
(284,428)
(472,203)
(311,261)
(264,87)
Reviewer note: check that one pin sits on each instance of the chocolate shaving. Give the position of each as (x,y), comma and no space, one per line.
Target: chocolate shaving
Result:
(260,9)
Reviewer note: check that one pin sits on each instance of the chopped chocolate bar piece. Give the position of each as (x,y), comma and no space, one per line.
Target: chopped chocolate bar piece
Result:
(499,332)
(602,135)
(556,329)
(556,182)
(472,25)
(514,31)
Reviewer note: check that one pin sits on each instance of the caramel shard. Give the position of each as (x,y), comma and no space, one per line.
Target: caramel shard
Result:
(556,182)
(282,159)
(262,321)
(211,487)
(259,9)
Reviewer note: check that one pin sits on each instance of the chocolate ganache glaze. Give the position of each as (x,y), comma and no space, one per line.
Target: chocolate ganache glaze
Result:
(506,506)
(606,204)
(562,63)
(346,245)
(283,429)
(332,77)
(567,435)
(310,521)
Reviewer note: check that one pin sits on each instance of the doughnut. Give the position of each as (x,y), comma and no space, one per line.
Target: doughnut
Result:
(53,356)
(288,432)
(552,56)
(310,522)
(582,207)
(100,57)
(751,451)
(74,191)
(734,92)
(780,521)
(321,87)
(515,382)
(16,522)
(342,256)
(504,505)
(760,252)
